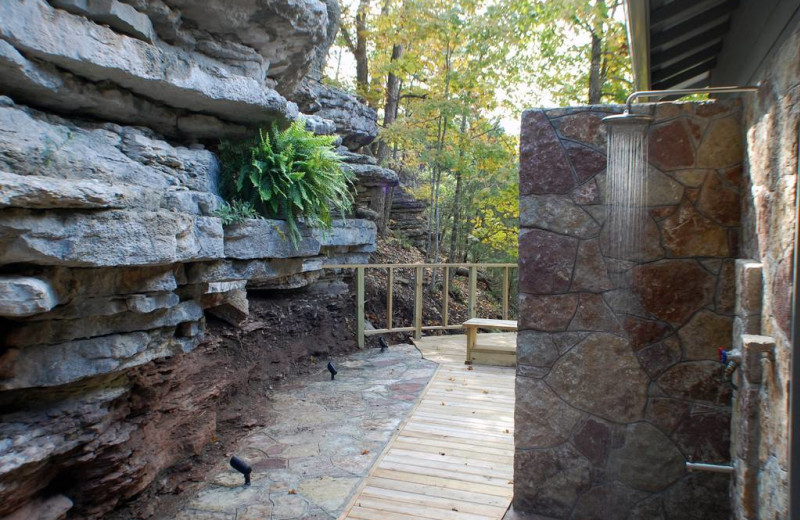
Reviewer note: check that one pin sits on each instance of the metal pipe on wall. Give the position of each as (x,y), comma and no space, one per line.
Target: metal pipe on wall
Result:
(685,92)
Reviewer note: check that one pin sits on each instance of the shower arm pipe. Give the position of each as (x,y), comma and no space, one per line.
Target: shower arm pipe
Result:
(685,92)
(713,468)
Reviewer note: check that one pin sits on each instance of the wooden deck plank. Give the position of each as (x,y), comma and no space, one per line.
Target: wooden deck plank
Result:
(440,492)
(453,457)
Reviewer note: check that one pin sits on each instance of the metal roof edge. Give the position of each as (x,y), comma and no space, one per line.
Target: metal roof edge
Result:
(638,17)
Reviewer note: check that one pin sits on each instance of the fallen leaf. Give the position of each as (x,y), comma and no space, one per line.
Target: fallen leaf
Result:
(443,404)
(485,391)
(507,431)
(292,491)
(470,368)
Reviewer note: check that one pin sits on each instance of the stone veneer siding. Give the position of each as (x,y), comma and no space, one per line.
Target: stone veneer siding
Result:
(760,440)
(617,380)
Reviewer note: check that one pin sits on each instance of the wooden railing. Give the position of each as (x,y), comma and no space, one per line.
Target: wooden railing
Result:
(418,328)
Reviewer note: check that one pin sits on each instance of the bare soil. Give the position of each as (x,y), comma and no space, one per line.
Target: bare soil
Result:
(199,405)
(203,413)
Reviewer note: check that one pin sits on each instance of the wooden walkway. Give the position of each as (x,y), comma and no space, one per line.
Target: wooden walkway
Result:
(453,457)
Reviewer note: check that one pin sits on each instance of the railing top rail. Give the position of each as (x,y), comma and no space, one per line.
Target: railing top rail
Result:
(408,266)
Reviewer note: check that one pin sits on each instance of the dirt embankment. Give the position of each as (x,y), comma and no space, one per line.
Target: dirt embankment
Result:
(195,407)
(376,288)
(200,404)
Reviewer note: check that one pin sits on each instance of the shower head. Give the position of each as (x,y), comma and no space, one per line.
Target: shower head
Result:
(626,118)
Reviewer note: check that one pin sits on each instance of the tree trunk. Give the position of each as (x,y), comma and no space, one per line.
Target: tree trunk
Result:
(597,73)
(359,47)
(392,101)
(451,255)
(360,53)
(595,78)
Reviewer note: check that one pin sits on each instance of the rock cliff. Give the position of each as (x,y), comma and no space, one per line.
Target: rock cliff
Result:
(111,256)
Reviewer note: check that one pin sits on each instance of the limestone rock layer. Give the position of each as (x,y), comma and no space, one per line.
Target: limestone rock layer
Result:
(111,254)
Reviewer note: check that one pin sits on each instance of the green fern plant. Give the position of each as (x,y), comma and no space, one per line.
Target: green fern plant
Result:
(289,174)
(236,212)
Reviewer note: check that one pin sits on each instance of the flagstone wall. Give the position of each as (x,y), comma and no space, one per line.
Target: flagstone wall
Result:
(618,382)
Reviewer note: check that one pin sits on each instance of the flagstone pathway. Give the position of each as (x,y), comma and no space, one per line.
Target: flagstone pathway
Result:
(324,439)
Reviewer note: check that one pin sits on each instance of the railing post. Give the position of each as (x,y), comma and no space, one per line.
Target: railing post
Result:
(505,293)
(360,305)
(389,294)
(473,289)
(418,304)
(446,295)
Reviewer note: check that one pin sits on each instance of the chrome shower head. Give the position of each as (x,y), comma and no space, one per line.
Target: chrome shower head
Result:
(626,118)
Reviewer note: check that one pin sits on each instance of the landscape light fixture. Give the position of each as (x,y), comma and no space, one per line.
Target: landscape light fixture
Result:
(243,468)
(384,346)
(332,370)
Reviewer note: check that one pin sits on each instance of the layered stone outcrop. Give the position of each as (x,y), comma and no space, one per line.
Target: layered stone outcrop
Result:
(618,382)
(112,256)
(409,217)
(186,69)
(375,188)
(355,122)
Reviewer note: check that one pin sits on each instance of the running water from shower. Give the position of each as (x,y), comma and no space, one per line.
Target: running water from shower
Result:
(626,187)
(626,174)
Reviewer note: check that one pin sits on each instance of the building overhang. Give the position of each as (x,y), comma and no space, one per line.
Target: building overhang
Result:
(677,43)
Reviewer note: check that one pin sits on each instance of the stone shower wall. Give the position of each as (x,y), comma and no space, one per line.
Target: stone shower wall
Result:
(764,289)
(617,380)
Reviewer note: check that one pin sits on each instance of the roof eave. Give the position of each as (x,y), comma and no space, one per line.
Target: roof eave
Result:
(638,15)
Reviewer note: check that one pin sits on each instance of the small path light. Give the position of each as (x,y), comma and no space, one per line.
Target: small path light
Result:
(243,468)
(332,370)
(384,346)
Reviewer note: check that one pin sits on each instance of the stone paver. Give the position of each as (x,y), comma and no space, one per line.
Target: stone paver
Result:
(324,438)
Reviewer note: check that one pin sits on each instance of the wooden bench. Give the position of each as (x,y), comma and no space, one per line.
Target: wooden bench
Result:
(472,325)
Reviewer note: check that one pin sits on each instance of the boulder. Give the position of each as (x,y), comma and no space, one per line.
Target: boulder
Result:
(107,238)
(252,270)
(167,74)
(20,191)
(61,331)
(44,85)
(120,17)
(355,122)
(52,365)
(262,238)
(53,508)
(350,233)
(25,296)
(100,166)
(285,34)
(232,308)
(408,217)
(371,175)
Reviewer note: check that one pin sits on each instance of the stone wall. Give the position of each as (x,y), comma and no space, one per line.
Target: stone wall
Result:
(110,254)
(618,382)
(764,290)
